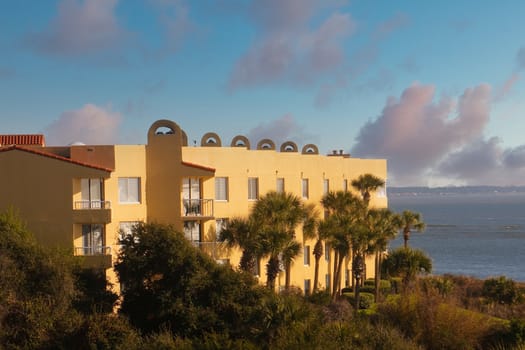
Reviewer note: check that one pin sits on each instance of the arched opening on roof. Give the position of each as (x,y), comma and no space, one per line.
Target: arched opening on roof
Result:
(163,127)
(289,146)
(211,139)
(266,144)
(310,149)
(240,141)
(184,138)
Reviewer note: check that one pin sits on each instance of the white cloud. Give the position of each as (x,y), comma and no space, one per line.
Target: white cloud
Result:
(90,125)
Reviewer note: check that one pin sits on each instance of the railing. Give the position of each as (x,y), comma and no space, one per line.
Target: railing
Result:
(197,207)
(88,251)
(87,204)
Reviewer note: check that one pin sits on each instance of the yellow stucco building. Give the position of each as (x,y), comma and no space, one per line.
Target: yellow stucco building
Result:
(81,197)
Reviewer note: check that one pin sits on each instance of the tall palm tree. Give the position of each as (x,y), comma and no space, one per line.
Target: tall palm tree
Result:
(407,263)
(312,230)
(344,212)
(276,216)
(239,232)
(411,221)
(366,184)
(384,226)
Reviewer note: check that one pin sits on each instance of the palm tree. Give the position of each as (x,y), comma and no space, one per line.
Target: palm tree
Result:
(384,225)
(239,232)
(366,184)
(276,216)
(344,212)
(407,263)
(409,221)
(311,230)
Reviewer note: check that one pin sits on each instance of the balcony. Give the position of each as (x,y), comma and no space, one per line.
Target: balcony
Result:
(88,204)
(197,208)
(91,212)
(94,257)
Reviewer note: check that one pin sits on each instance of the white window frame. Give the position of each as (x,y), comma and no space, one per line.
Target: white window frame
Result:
(345,185)
(279,185)
(305,191)
(326,186)
(221,189)
(253,188)
(306,255)
(127,185)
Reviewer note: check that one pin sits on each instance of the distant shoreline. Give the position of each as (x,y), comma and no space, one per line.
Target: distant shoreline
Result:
(421,190)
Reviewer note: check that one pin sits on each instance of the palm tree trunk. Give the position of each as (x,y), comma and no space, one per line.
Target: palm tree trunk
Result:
(406,237)
(272,270)
(334,278)
(318,252)
(377,275)
(337,277)
(287,277)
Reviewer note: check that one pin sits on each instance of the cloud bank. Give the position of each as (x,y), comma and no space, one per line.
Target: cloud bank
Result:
(90,125)
(426,141)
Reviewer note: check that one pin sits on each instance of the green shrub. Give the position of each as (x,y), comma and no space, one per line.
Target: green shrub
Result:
(396,284)
(347,290)
(502,291)
(365,299)
(368,289)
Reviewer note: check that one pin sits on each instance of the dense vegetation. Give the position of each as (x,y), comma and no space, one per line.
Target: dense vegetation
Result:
(175,297)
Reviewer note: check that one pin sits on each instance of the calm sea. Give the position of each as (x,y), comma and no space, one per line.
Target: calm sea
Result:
(480,235)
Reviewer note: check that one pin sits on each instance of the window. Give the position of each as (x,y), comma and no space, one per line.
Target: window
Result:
(306,287)
(326,186)
(381,191)
(191,196)
(306,255)
(327,252)
(347,278)
(125,228)
(305,188)
(279,186)
(253,188)
(221,188)
(93,239)
(327,280)
(92,194)
(192,231)
(129,189)
(220,224)
(345,185)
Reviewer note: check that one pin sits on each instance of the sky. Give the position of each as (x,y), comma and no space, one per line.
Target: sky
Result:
(434,87)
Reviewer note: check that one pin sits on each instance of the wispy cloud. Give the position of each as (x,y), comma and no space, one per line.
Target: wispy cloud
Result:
(80,28)
(90,124)
(506,88)
(288,47)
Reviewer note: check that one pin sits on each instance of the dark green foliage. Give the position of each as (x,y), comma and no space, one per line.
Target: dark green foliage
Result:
(93,294)
(184,290)
(502,291)
(366,299)
(407,263)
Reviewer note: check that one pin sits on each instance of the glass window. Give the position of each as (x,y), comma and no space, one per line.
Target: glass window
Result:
(306,255)
(220,224)
(345,185)
(253,188)
(305,188)
(279,186)
(327,280)
(91,194)
(326,186)
(129,189)
(327,251)
(307,287)
(221,188)
(125,228)
(93,239)
(381,191)
(192,231)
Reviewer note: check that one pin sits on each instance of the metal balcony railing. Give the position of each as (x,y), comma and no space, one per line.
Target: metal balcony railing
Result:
(87,204)
(89,251)
(197,207)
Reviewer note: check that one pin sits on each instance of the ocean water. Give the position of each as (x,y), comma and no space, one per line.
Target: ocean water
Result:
(479,235)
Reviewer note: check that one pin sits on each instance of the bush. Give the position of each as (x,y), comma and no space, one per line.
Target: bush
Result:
(502,291)
(365,299)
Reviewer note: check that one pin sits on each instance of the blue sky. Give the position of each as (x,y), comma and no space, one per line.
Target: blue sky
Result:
(435,87)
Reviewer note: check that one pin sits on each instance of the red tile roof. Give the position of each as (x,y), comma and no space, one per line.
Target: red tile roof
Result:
(33,140)
(52,155)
